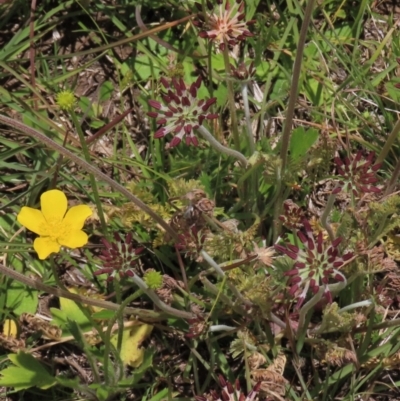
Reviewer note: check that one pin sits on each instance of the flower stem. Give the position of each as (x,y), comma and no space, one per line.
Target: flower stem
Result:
(231,99)
(294,88)
(393,179)
(117,316)
(336,287)
(92,178)
(55,273)
(247,115)
(157,301)
(361,304)
(221,327)
(325,214)
(389,142)
(206,134)
(221,273)
(307,306)
(293,94)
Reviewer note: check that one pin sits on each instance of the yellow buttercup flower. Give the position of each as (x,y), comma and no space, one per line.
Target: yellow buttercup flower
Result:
(55,225)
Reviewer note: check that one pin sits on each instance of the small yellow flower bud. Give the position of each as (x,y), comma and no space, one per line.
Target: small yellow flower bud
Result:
(65,100)
(153,279)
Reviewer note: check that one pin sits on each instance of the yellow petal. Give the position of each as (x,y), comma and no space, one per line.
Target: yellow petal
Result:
(44,246)
(54,204)
(33,220)
(76,216)
(74,239)
(131,353)
(10,328)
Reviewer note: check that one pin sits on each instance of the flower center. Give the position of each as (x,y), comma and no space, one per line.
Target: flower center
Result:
(55,229)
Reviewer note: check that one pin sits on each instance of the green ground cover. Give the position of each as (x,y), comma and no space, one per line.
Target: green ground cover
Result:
(199,200)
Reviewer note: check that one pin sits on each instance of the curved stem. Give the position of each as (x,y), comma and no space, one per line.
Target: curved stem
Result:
(221,273)
(307,306)
(221,327)
(336,287)
(361,304)
(206,134)
(157,301)
(143,314)
(245,99)
(275,319)
(325,214)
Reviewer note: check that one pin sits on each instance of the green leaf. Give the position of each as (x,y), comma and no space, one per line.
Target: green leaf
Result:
(280,89)
(70,309)
(70,383)
(140,371)
(221,94)
(217,61)
(106,91)
(301,141)
(314,91)
(21,299)
(144,68)
(28,373)
(394,93)
(86,106)
(103,314)
(262,70)
(206,182)
(251,7)
(131,352)
(102,393)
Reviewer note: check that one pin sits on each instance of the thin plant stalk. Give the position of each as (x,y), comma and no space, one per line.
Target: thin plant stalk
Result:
(86,155)
(316,298)
(157,301)
(182,267)
(231,99)
(389,143)
(325,214)
(120,320)
(294,87)
(254,195)
(221,273)
(326,326)
(117,316)
(55,273)
(206,134)
(245,99)
(393,179)
(293,94)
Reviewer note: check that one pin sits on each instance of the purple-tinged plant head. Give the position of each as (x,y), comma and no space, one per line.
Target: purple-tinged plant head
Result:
(358,175)
(197,327)
(243,72)
(225,25)
(119,256)
(315,266)
(231,392)
(191,242)
(182,113)
(293,215)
